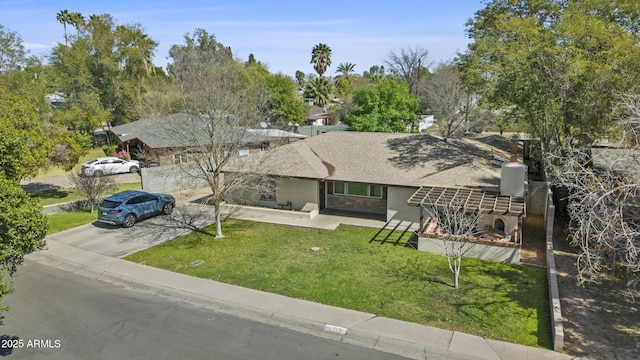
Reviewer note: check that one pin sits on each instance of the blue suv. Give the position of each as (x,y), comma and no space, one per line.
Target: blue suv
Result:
(127,207)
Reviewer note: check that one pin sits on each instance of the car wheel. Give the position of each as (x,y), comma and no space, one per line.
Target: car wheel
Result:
(167,209)
(98,173)
(133,169)
(129,221)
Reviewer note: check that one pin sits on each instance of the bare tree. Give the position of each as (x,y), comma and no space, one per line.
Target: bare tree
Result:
(603,203)
(604,212)
(222,108)
(447,99)
(93,187)
(456,225)
(409,65)
(628,117)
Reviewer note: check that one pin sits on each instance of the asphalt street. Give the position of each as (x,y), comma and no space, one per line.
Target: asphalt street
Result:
(59,315)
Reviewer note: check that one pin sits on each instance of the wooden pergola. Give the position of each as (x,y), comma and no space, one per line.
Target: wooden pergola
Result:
(471,200)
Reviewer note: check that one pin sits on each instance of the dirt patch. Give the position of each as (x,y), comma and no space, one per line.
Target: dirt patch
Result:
(600,321)
(533,250)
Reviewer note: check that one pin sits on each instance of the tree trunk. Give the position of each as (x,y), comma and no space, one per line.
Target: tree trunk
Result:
(218,223)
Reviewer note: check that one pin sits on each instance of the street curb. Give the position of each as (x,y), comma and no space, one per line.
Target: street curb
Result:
(358,333)
(298,324)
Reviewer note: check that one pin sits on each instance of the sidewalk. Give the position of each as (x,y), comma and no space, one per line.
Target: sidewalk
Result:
(363,329)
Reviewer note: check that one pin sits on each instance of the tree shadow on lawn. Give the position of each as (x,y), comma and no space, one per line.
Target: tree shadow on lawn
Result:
(475,301)
(525,287)
(47,192)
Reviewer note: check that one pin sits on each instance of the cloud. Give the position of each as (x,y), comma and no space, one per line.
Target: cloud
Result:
(34,46)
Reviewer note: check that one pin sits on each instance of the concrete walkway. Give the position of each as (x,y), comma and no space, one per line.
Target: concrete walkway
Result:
(406,339)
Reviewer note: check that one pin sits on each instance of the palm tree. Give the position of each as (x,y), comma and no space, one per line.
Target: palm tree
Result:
(76,19)
(375,73)
(63,17)
(321,58)
(345,71)
(300,78)
(319,89)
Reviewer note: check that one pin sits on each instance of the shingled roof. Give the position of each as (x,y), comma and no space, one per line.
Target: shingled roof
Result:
(163,132)
(389,159)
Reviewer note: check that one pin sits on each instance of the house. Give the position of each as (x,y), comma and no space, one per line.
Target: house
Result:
(372,174)
(317,116)
(174,139)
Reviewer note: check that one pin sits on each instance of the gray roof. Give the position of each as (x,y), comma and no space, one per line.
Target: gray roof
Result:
(384,158)
(174,130)
(317,112)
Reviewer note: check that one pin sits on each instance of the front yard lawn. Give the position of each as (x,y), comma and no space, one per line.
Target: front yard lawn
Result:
(495,300)
(69,219)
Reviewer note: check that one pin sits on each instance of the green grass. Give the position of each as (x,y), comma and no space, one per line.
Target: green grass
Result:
(70,219)
(495,300)
(56,171)
(57,196)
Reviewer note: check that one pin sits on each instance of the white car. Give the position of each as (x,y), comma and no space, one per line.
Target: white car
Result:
(109,165)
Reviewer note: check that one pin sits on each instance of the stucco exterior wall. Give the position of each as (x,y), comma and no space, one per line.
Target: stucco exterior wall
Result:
(302,193)
(299,192)
(397,207)
(537,197)
(510,222)
(357,203)
(509,254)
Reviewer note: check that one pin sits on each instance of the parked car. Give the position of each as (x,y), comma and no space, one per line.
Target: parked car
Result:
(109,165)
(127,207)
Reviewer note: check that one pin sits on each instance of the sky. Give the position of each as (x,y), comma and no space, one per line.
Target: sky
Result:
(278,33)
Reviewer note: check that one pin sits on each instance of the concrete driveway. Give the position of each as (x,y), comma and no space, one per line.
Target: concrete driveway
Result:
(118,242)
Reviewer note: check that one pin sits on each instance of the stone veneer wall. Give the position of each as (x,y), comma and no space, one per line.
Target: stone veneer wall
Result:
(356,203)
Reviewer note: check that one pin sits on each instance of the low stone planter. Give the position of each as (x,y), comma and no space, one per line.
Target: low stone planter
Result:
(240,210)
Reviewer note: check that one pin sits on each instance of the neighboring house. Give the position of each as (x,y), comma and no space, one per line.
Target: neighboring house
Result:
(313,130)
(317,116)
(159,140)
(372,174)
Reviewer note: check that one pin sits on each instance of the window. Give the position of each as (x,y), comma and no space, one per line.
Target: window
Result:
(357,189)
(181,158)
(135,200)
(499,225)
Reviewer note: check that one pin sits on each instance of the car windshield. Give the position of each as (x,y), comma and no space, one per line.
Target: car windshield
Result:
(109,204)
(92,161)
